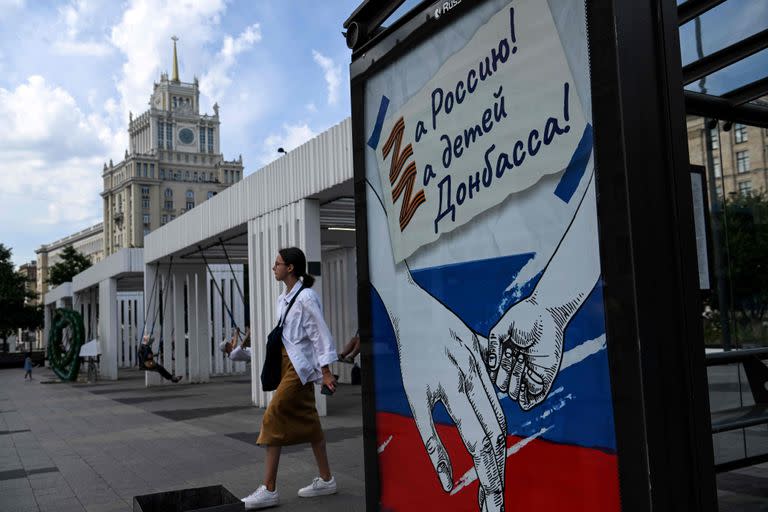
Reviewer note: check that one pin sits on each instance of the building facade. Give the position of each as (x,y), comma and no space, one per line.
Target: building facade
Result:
(29,270)
(174,162)
(29,339)
(740,156)
(89,242)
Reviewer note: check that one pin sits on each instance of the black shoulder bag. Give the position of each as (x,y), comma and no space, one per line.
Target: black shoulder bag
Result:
(271,371)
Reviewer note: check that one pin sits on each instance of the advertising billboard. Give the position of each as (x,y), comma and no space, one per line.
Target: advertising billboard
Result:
(491,379)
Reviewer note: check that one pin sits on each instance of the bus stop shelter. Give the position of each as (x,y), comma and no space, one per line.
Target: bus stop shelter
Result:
(529,278)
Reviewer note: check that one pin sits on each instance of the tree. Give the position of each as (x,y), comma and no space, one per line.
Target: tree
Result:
(15,313)
(745,238)
(71,264)
(747,242)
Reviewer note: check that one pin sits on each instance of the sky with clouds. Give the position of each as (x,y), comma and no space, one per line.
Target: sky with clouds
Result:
(70,71)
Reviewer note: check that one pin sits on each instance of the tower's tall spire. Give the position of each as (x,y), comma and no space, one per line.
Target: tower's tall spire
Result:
(175,61)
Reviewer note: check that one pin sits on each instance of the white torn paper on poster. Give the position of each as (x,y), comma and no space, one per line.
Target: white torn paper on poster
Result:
(500,114)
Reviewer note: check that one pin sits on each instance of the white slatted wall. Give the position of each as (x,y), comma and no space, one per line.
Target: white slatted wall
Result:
(340,302)
(221,322)
(130,317)
(284,227)
(180,355)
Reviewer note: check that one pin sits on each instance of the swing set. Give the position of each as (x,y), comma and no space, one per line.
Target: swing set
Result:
(145,356)
(160,310)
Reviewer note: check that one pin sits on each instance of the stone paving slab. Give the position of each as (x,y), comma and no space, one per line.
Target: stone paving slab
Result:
(93,447)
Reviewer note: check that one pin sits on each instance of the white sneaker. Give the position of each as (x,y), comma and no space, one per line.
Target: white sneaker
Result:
(318,487)
(261,498)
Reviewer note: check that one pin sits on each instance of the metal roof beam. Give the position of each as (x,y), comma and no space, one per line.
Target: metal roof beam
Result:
(366,19)
(693,8)
(725,57)
(747,92)
(715,107)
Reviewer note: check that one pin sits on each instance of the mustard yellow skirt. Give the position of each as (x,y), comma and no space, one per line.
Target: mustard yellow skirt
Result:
(291,416)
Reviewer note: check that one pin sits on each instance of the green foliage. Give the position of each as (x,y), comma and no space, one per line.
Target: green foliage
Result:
(14,313)
(746,233)
(744,238)
(71,264)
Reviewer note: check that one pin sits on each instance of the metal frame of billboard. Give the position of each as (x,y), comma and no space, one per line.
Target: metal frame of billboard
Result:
(647,242)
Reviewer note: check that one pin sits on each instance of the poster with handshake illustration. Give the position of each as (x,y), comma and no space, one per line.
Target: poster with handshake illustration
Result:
(489,350)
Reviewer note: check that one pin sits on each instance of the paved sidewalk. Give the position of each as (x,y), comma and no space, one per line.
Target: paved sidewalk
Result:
(92,447)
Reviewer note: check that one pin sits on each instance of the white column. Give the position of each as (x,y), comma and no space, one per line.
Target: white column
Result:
(179,333)
(93,299)
(123,332)
(85,301)
(47,318)
(313,252)
(199,337)
(108,324)
(130,339)
(166,330)
(340,301)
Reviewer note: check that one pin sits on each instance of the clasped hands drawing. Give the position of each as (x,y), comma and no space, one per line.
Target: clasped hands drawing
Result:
(443,360)
(521,357)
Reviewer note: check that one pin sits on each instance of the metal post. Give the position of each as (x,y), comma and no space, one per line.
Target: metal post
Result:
(723,299)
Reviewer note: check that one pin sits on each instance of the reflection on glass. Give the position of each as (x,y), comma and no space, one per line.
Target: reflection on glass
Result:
(736,75)
(735,310)
(723,26)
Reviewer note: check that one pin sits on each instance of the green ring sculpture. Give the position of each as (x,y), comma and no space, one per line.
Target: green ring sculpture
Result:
(65,364)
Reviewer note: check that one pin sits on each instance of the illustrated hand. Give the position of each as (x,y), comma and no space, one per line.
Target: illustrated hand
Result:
(525,350)
(441,360)
(447,366)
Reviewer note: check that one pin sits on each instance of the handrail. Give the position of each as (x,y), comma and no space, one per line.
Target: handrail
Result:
(735,356)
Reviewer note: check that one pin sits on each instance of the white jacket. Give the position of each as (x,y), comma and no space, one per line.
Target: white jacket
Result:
(306,336)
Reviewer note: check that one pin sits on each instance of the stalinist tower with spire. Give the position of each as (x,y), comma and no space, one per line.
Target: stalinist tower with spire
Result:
(173,163)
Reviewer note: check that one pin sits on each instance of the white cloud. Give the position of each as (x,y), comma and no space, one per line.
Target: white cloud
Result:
(291,137)
(750,18)
(216,80)
(75,16)
(311,107)
(143,35)
(82,48)
(46,119)
(332,74)
(44,192)
(51,158)
(11,4)
(72,15)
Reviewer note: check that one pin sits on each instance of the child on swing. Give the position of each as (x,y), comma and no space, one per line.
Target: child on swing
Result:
(147,362)
(241,352)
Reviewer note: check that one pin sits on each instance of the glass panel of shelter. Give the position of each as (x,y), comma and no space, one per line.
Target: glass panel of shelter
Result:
(734,167)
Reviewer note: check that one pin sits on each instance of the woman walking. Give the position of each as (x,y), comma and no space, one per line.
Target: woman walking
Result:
(308,349)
